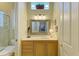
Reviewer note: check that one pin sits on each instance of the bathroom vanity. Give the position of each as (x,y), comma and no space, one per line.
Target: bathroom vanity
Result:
(39,47)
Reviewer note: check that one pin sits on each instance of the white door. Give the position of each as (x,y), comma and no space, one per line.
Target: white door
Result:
(68,36)
(75,26)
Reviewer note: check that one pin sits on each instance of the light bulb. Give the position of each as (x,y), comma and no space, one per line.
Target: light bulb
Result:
(35,17)
(40,17)
(44,17)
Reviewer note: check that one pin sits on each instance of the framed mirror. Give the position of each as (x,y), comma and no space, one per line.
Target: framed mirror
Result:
(39,27)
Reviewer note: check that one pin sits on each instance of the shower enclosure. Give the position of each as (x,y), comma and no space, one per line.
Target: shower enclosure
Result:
(4,30)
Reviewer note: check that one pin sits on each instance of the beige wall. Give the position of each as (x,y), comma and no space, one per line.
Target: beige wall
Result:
(6,7)
(56,12)
(22,20)
(56,17)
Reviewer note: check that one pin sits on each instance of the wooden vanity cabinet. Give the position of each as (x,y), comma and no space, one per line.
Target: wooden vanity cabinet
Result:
(39,47)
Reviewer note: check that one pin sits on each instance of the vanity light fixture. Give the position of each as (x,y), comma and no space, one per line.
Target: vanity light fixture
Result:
(39,17)
(43,17)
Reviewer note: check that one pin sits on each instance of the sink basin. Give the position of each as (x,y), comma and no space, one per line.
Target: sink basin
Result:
(39,37)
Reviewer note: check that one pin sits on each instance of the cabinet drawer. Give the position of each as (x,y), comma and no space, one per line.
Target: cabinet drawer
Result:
(27,54)
(27,43)
(24,51)
(27,47)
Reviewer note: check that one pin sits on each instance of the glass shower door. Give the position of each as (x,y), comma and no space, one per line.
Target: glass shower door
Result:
(4,30)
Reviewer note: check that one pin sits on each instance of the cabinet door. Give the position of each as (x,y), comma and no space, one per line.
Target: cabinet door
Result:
(27,48)
(52,48)
(40,48)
